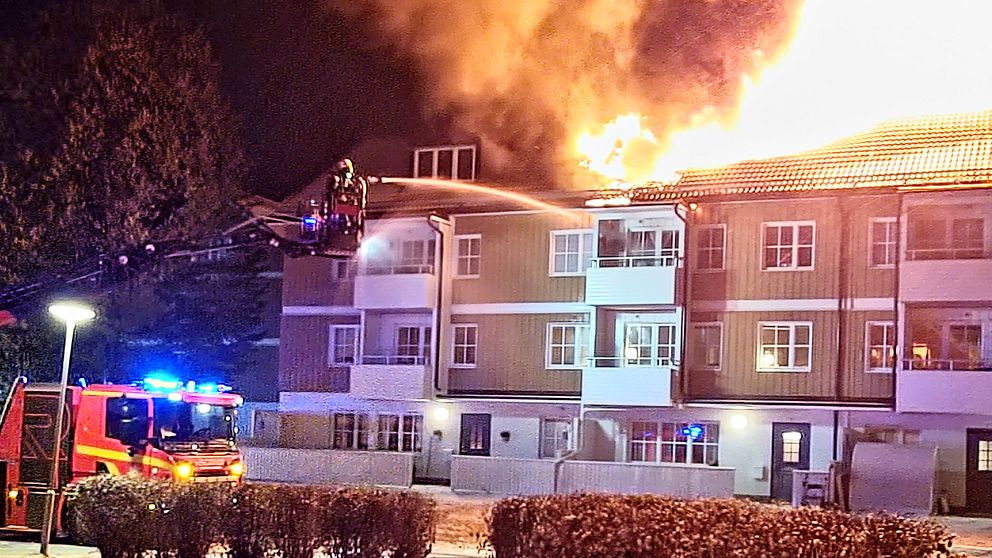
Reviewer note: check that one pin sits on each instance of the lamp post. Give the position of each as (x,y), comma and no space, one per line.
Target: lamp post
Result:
(71,314)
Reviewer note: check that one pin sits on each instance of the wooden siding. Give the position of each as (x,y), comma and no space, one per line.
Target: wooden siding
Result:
(310,281)
(514,259)
(744,278)
(303,351)
(511,357)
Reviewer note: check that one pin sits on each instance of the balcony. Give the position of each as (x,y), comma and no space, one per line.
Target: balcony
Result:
(632,281)
(608,381)
(945,280)
(391,377)
(400,287)
(944,386)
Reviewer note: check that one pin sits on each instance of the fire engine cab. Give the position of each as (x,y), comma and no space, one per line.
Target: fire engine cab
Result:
(159,428)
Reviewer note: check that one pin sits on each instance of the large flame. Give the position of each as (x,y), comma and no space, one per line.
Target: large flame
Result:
(851,65)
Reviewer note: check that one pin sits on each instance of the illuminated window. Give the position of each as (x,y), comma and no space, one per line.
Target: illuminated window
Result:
(400,432)
(653,247)
(466,344)
(791,446)
(707,345)
(344,344)
(784,346)
(788,245)
(571,252)
(710,247)
(675,442)
(643,441)
(457,161)
(468,255)
(984,455)
(884,236)
(649,344)
(566,345)
(556,435)
(880,346)
(351,431)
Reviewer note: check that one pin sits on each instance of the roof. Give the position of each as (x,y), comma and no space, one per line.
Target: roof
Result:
(934,151)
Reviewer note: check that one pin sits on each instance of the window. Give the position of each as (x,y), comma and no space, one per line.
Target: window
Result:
(127,419)
(649,345)
(412,344)
(708,345)
(351,431)
(791,446)
(788,245)
(880,346)
(400,432)
(891,435)
(465,345)
(784,346)
(675,442)
(965,348)
(984,455)
(341,269)
(644,250)
(710,247)
(468,255)
(884,235)
(566,345)
(456,162)
(938,238)
(571,252)
(344,344)
(556,434)
(415,256)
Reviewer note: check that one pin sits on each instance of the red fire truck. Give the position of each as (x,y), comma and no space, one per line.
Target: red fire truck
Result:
(159,428)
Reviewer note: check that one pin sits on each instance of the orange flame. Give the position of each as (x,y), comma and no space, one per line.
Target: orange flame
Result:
(851,65)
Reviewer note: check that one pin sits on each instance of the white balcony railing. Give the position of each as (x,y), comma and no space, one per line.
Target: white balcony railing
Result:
(400,268)
(623,362)
(400,287)
(654,260)
(632,280)
(947,364)
(390,377)
(396,359)
(611,381)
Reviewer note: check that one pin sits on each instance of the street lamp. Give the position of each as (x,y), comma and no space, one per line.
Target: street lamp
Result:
(70,313)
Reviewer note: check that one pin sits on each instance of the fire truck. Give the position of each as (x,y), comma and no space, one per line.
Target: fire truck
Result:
(158,428)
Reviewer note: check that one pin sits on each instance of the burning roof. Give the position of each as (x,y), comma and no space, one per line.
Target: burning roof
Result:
(935,151)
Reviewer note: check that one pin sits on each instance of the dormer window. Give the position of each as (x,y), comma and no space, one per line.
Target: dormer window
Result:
(447,162)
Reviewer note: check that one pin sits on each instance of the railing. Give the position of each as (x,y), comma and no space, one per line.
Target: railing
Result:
(662,260)
(621,362)
(401,268)
(396,359)
(946,364)
(945,253)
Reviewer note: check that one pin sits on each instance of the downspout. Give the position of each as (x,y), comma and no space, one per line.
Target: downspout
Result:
(683,380)
(433,221)
(560,462)
(897,342)
(842,299)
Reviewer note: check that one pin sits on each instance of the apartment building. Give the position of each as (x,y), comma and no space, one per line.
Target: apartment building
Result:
(754,319)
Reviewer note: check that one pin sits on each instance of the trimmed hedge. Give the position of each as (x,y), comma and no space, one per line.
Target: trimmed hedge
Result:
(601,526)
(126,516)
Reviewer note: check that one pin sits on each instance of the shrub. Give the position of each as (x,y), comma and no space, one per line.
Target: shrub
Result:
(126,516)
(600,526)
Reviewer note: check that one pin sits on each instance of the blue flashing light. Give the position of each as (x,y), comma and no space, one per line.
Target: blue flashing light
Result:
(207,388)
(167,384)
(161,383)
(175,396)
(83,383)
(310,223)
(692,431)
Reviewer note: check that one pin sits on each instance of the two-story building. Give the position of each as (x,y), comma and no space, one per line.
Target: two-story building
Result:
(756,318)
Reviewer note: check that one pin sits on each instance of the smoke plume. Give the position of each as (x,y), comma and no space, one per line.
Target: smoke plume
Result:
(528,76)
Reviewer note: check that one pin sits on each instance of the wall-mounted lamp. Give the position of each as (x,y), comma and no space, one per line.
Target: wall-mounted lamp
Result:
(441,413)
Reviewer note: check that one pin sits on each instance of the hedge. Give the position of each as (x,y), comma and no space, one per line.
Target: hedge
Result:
(124,517)
(601,526)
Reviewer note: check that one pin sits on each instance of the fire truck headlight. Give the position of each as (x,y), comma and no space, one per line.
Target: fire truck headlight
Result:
(184,470)
(236,469)
(13,494)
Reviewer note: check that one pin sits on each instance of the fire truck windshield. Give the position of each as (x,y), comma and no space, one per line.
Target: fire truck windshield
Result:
(180,422)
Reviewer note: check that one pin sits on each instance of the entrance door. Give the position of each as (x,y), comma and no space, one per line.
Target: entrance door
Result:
(790,452)
(978,473)
(475,434)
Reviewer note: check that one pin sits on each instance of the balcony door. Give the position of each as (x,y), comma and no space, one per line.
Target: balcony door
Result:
(652,247)
(413,344)
(649,344)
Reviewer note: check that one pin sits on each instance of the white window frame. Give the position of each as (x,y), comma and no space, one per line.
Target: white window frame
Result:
(569,444)
(357,433)
(984,456)
(723,249)
(580,345)
(795,245)
(455,345)
(660,442)
(332,344)
(424,332)
(459,256)
(434,153)
(654,359)
(695,339)
(792,347)
(894,242)
(346,266)
(412,435)
(585,243)
(878,323)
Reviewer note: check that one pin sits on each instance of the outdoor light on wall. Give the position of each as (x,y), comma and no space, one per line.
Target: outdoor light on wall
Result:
(441,413)
(505,435)
(738,422)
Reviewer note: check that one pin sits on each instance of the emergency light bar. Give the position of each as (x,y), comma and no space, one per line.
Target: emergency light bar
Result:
(172,385)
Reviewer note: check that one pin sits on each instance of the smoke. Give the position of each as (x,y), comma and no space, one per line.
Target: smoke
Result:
(528,76)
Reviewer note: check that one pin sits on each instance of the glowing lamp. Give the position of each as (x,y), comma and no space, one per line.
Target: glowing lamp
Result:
(236,469)
(631,353)
(70,312)
(203,408)
(441,414)
(12,494)
(738,422)
(175,396)
(184,470)
(768,360)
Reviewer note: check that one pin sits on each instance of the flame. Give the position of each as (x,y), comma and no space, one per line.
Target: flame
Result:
(851,65)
